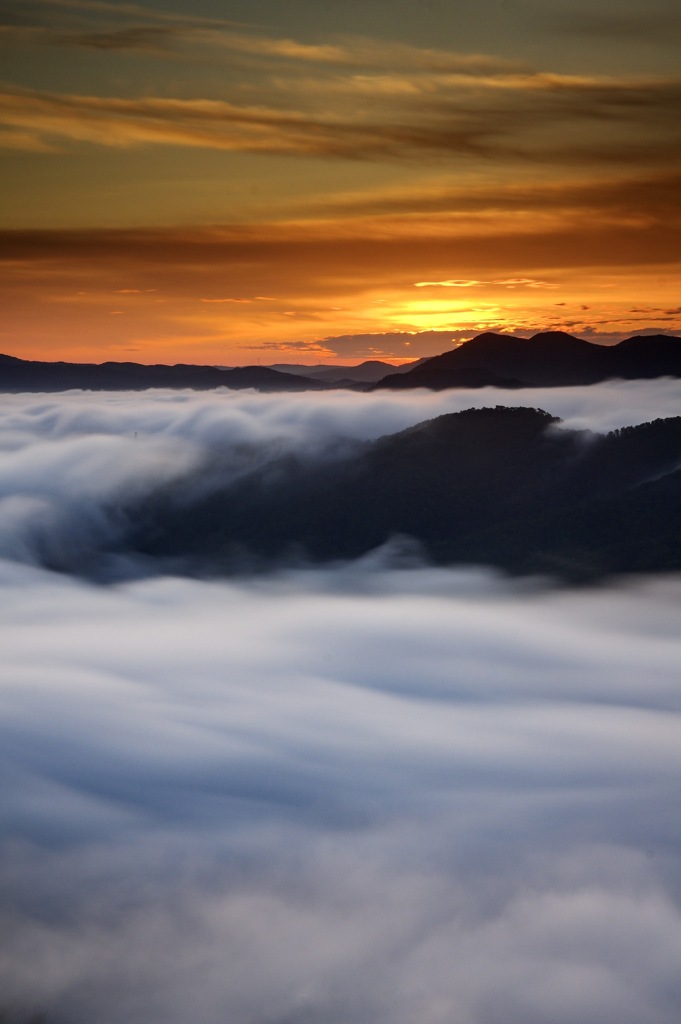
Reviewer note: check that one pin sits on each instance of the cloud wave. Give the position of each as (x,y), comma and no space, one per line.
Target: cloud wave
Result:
(347,795)
(73,466)
(377,791)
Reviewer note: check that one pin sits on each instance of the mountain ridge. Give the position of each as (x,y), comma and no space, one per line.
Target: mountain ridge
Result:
(505,487)
(18,375)
(547,359)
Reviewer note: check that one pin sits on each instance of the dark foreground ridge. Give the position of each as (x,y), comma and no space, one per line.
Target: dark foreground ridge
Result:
(504,487)
(490,360)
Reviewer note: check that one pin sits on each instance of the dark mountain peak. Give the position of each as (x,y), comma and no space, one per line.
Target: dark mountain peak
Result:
(515,419)
(647,356)
(497,414)
(559,340)
(649,342)
(477,352)
(499,426)
(489,336)
(547,359)
(371,363)
(553,334)
(485,342)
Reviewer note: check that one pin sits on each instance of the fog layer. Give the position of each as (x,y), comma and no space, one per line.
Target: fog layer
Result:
(361,794)
(354,794)
(72,466)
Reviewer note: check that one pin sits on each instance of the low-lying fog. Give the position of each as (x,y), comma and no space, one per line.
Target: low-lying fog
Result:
(73,465)
(370,792)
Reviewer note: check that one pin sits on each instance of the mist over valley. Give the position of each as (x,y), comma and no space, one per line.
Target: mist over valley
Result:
(342,785)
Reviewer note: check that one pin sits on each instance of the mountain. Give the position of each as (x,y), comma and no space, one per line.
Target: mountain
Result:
(440,377)
(28,375)
(489,360)
(549,359)
(505,486)
(364,373)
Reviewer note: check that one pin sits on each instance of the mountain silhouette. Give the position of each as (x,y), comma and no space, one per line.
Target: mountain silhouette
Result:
(28,375)
(368,372)
(550,359)
(506,487)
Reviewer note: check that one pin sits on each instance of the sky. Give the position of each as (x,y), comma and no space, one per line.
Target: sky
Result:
(232,183)
(370,791)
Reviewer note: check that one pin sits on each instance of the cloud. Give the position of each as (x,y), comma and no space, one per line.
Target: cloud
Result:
(155,38)
(110,26)
(55,11)
(621,198)
(511,282)
(171,37)
(659,27)
(340,796)
(378,345)
(73,467)
(632,220)
(218,124)
(134,38)
(203,123)
(323,795)
(510,118)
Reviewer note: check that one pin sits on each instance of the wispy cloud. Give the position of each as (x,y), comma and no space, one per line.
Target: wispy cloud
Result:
(522,127)
(348,97)
(511,282)
(624,198)
(661,27)
(215,124)
(141,37)
(109,26)
(40,10)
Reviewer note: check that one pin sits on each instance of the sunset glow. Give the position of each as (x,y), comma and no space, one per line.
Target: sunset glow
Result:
(213,185)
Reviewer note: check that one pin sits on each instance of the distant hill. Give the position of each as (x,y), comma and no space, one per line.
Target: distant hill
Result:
(545,360)
(505,487)
(489,360)
(367,372)
(27,375)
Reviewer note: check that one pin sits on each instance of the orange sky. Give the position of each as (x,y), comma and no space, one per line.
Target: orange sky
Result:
(184,186)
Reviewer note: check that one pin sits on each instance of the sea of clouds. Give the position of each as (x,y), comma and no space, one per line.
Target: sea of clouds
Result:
(373,792)
(75,466)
